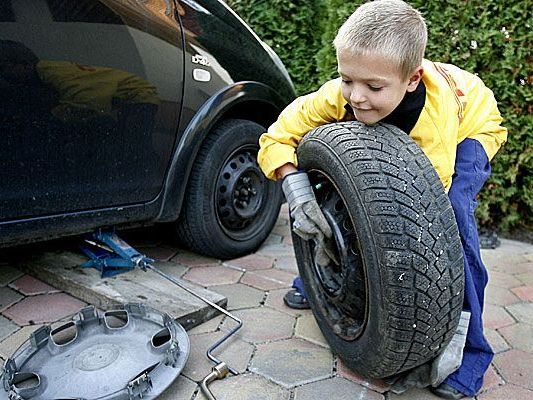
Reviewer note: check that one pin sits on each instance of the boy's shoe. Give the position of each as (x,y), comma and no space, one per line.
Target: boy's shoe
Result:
(447,392)
(294,299)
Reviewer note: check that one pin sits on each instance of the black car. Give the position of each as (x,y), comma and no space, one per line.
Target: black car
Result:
(118,113)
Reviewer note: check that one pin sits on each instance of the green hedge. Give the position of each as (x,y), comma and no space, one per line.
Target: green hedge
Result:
(491,38)
(292,29)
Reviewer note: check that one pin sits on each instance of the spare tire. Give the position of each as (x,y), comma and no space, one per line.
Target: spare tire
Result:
(395,297)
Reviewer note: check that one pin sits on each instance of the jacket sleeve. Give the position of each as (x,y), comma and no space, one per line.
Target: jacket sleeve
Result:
(481,119)
(278,145)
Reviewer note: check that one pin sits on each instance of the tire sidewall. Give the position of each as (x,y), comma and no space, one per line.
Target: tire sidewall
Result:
(323,159)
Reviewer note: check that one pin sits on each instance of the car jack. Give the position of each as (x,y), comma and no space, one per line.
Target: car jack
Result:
(112,255)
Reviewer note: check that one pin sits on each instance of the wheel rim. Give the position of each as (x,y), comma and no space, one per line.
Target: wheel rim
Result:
(240,193)
(341,289)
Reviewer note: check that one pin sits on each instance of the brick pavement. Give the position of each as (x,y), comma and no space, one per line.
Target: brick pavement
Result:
(280,353)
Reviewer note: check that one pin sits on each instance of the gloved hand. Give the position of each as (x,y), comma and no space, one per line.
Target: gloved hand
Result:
(450,359)
(309,221)
(437,370)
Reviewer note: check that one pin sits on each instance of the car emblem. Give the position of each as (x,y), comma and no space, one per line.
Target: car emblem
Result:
(202,60)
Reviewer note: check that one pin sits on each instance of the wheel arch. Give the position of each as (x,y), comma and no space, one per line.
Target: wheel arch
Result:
(246,100)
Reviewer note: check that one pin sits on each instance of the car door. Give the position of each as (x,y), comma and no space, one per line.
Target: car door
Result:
(90,98)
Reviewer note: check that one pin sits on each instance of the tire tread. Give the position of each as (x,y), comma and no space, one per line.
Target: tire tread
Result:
(414,233)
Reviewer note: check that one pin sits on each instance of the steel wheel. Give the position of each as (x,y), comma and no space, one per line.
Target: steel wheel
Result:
(343,285)
(230,207)
(240,193)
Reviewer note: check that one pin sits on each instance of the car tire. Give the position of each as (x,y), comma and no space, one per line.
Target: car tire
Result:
(394,299)
(230,206)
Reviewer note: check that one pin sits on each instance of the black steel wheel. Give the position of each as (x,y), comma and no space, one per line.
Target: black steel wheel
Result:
(240,192)
(342,290)
(395,297)
(230,206)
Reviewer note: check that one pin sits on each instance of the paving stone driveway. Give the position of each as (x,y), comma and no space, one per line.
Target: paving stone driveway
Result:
(280,353)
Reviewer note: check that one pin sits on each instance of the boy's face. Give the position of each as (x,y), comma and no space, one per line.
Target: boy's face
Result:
(372,86)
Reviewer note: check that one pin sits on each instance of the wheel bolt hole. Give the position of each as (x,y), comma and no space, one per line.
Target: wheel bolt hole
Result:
(223,189)
(233,165)
(222,202)
(241,159)
(226,175)
(346,224)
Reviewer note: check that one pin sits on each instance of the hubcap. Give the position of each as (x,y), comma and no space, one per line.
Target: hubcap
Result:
(341,288)
(239,190)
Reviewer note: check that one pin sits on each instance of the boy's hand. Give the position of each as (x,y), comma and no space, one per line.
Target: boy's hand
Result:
(434,372)
(309,221)
(324,252)
(451,357)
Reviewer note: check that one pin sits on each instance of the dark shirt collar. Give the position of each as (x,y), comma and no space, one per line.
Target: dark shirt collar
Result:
(408,111)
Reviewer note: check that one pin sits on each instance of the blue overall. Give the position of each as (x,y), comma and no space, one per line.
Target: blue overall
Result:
(472,169)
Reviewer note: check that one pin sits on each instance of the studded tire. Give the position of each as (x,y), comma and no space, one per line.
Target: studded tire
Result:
(230,206)
(395,298)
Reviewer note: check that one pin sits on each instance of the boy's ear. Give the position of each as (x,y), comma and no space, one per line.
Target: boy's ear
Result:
(415,78)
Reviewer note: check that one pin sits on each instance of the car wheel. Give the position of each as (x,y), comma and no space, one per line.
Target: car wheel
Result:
(394,298)
(230,206)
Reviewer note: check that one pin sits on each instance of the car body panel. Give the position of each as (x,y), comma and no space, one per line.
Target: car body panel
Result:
(75,147)
(121,160)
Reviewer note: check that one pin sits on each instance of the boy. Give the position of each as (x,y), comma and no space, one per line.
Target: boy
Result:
(450,114)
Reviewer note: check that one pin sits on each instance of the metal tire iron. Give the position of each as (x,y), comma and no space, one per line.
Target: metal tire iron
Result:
(112,255)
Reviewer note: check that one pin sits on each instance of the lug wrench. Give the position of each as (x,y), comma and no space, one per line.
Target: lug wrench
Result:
(221,369)
(145,266)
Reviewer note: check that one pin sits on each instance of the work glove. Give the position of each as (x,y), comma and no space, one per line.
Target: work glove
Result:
(434,372)
(450,359)
(309,221)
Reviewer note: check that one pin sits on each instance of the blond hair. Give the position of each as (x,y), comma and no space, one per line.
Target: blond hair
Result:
(390,28)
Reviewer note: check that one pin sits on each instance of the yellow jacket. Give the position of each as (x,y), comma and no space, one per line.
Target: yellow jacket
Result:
(458,106)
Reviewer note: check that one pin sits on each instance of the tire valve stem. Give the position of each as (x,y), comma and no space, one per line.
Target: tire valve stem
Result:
(219,371)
